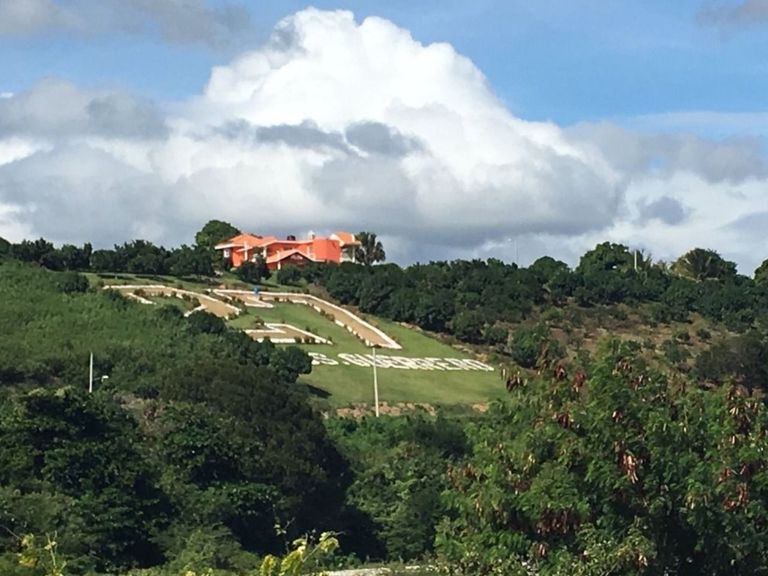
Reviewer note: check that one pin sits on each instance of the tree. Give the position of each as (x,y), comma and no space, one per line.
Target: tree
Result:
(468,326)
(534,347)
(701,264)
(370,250)
(606,257)
(253,272)
(106,261)
(289,276)
(29,251)
(72,282)
(546,268)
(616,470)
(143,257)
(85,448)
(202,322)
(214,232)
(186,261)
(76,258)
(403,461)
(5,246)
(761,273)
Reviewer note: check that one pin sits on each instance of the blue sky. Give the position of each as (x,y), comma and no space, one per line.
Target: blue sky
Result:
(638,122)
(565,61)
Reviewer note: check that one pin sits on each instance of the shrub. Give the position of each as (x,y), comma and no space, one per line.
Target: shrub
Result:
(703,334)
(535,346)
(290,276)
(552,315)
(682,335)
(72,283)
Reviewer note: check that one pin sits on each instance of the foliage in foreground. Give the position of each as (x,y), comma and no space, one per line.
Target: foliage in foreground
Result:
(399,467)
(618,471)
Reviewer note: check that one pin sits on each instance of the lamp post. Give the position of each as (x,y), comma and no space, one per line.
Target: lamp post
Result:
(375,383)
(90,376)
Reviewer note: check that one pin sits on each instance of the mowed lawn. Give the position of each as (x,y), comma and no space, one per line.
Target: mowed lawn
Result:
(349,384)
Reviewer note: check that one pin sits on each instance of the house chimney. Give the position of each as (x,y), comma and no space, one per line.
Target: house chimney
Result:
(311,235)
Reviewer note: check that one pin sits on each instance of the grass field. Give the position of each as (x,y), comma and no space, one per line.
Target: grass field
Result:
(343,385)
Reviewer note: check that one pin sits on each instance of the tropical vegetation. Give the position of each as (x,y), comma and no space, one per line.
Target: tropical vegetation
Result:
(203,454)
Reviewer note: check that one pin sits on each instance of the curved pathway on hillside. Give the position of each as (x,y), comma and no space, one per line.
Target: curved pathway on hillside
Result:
(368,333)
(207,303)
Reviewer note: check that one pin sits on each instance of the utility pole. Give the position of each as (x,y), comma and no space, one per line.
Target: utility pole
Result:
(90,376)
(635,259)
(375,384)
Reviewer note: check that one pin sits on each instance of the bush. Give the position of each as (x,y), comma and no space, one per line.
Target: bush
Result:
(552,315)
(682,335)
(703,334)
(289,276)
(72,283)
(253,272)
(674,352)
(496,335)
(531,347)
(468,326)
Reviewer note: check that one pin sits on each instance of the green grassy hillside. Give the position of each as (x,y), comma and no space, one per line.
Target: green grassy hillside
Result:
(345,383)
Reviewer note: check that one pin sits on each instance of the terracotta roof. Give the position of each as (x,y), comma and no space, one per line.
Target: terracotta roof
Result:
(272,240)
(346,238)
(243,240)
(287,254)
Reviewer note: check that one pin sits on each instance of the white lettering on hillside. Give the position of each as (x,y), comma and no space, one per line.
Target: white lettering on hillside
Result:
(399,362)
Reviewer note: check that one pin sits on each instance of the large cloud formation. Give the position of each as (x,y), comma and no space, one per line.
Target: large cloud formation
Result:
(336,123)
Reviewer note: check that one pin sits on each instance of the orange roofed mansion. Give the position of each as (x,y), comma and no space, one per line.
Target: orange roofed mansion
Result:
(337,248)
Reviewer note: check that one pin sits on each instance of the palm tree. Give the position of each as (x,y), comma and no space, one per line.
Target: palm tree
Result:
(370,249)
(701,264)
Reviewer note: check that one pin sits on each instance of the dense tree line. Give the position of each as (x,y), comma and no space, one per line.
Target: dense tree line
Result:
(475,300)
(137,257)
(612,468)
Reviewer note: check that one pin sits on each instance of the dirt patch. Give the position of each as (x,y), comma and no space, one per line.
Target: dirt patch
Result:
(362,410)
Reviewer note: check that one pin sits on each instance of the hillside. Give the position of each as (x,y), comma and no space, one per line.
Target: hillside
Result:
(342,369)
(206,435)
(530,337)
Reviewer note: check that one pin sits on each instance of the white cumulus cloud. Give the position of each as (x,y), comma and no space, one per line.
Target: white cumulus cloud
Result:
(336,123)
